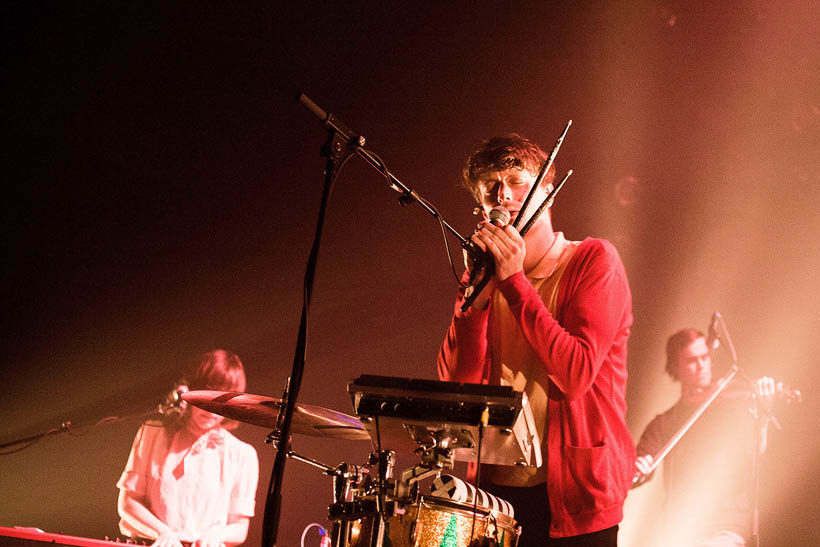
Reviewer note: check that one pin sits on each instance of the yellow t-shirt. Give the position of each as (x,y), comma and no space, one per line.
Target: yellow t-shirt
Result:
(514,363)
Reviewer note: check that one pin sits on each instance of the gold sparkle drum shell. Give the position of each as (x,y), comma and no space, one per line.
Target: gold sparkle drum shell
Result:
(433,522)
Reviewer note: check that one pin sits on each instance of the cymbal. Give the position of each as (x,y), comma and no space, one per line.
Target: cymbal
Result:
(264,411)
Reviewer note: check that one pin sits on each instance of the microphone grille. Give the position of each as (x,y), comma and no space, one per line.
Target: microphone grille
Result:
(499,216)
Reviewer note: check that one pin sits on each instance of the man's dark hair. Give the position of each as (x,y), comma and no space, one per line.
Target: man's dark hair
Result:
(511,151)
(675,345)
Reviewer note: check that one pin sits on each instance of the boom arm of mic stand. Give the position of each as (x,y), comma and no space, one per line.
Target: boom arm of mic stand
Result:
(408,195)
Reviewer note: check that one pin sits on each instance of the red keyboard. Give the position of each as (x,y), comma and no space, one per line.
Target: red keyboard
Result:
(32,537)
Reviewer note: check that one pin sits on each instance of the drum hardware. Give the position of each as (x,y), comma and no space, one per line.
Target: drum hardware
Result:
(427,521)
(440,422)
(422,413)
(347,479)
(437,421)
(434,459)
(405,518)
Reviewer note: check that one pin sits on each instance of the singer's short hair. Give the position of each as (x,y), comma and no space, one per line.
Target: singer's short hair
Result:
(675,345)
(510,151)
(218,370)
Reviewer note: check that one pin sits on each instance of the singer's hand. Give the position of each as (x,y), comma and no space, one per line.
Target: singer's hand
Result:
(477,273)
(506,245)
(766,390)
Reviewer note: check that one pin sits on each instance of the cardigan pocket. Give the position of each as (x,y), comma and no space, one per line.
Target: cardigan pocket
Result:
(590,479)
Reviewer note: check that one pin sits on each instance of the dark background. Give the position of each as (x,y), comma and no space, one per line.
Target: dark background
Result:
(162,187)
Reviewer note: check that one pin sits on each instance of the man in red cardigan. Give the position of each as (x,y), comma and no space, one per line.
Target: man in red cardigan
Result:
(553,322)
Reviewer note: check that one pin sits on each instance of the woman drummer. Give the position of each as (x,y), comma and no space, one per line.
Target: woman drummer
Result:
(188,479)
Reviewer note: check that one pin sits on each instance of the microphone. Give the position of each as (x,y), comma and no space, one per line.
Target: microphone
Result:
(483,260)
(173,403)
(712,336)
(499,216)
(330,121)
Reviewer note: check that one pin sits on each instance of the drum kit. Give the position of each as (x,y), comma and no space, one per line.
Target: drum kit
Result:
(437,423)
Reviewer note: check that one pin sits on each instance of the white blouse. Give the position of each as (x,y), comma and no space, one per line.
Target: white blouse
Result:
(193,490)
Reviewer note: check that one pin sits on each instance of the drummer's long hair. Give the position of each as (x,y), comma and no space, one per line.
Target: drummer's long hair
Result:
(216,370)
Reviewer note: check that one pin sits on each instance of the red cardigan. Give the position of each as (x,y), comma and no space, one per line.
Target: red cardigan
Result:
(583,349)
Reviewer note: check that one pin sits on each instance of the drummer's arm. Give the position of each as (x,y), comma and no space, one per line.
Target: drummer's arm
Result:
(233,533)
(139,518)
(241,506)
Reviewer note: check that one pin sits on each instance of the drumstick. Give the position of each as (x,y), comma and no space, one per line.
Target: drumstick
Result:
(543,173)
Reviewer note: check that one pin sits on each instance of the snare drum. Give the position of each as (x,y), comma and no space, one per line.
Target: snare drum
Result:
(432,522)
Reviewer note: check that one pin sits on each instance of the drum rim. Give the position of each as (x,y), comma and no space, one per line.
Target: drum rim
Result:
(434,503)
(481,512)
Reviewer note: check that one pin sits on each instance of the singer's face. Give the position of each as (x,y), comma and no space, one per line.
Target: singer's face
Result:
(509,188)
(695,365)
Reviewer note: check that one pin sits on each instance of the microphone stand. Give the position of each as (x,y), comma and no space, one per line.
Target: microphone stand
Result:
(340,145)
(760,428)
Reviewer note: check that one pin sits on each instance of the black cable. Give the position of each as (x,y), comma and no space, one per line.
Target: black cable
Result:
(30,443)
(379,473)
(387,175)
(485,416)
(70,429)
(272,510)
(446,243)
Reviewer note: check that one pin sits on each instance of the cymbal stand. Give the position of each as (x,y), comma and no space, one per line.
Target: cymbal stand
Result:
(354,488)
(347,480)
(344,475)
